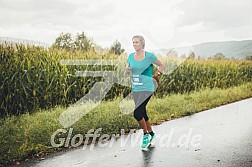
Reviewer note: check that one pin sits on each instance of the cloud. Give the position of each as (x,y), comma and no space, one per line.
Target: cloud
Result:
(216,14)
(163,23)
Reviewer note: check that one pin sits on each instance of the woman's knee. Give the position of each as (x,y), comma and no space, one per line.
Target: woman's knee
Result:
(146,117)
(137,115)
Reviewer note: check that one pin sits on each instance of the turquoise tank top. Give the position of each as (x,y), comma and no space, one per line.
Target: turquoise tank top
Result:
(142,72)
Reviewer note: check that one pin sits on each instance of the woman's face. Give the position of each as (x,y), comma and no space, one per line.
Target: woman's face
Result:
(137,44)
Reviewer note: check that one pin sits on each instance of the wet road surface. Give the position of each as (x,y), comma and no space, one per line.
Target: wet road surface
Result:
(217,137)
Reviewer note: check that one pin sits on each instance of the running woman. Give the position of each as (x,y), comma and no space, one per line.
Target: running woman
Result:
(140,64)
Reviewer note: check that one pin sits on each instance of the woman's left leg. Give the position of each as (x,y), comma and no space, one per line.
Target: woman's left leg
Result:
(146,96)
(141,99)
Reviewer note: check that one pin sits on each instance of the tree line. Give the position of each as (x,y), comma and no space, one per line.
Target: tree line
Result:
(81,42)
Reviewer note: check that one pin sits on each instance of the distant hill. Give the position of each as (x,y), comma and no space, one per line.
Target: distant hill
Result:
(22,41)
(231,49)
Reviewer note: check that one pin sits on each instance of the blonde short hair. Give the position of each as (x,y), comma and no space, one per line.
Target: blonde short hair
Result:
(141,38)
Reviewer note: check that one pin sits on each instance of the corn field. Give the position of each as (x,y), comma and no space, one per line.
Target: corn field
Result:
(32,77)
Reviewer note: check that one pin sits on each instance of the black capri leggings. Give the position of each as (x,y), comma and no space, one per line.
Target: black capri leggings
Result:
(141,99)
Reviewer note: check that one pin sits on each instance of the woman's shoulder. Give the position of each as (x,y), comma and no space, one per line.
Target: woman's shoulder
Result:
(151,57)
(130,56)
(149,54)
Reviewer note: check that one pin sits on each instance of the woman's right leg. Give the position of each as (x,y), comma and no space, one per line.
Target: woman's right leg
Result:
(141,99)
(138,113)
(143,125)
(148,126)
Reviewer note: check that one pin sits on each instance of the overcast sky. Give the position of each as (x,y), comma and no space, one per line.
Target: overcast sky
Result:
(164,23)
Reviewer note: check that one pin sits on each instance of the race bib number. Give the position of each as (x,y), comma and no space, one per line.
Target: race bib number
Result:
(137,80)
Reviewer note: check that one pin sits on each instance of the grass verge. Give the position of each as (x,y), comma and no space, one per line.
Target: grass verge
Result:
(28,136)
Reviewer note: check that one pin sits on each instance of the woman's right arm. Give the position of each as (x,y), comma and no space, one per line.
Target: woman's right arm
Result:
(127,69)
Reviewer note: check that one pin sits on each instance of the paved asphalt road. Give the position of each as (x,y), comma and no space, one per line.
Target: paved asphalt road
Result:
(218,137)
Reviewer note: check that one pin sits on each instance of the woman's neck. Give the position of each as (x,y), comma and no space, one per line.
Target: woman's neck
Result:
(139,52)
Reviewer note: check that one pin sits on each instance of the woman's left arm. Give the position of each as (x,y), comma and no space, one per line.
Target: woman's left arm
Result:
(160,65)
